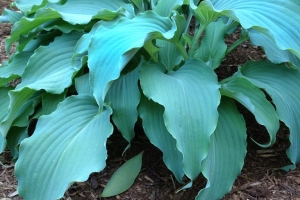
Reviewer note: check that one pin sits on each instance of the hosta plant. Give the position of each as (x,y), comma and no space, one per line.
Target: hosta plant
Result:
(85,65)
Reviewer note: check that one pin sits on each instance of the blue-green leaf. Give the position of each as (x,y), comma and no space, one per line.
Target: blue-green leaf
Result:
(28,6)
(275,55)
(226,154)
(267,17)
(112,48)
(152,49)
(82,12)
(230,24)
(10,16)
(124,97)
(73,11)
(140,4)
(50,102)
(22,117)
(20,107)
(155,129)
(18,100)
(283,85)
(15,67)
(32,42)
(2,142)
(124,177)
(14,137)
(50,67)
(165,7)
(81,47)
(82,85)
(4,101)
(255,101)
(204,13)
(190,118)
(168,54)
(212,49)
(63,26)
(63,151)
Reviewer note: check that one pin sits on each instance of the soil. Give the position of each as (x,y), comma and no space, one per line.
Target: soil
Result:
(259,179)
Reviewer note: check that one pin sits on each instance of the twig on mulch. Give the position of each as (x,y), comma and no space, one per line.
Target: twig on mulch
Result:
(8,184)
(245,186)
(290,189)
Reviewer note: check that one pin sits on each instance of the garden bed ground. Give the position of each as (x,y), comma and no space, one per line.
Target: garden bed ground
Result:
(259,178)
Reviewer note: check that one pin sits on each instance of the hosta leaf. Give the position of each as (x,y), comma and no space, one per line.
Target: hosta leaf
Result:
(82,85)
(255,101)
(152,3)
(155,129)
(140,4)
(168,54)
(84,41)
(204,12)
(124,97)
(82,12)
(50,102)
(14,137)
(82,45)
(190,118)
(33,5)
(10,16)
(124,177)
(2,143)
(81,48)
(151,49)
(4,101)
(20,107)
(50,67)
(230,24)
(213,48)
(66,146)
(18,100)
(181,24)
(266,17)
(275,55)
(283,85)
(73,11)
(112,48)
(28,6)
(25,25)
(15,67)
(63,26)
(226,154)
(187,38)
(164,8)
(27,109)
(33,42)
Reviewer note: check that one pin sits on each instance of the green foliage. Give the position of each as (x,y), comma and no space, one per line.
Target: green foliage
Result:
(124,177)
(85,65)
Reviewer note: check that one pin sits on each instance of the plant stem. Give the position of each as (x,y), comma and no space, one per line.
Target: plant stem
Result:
(195,40)
(188,22)
(236,44)
(182,50)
